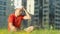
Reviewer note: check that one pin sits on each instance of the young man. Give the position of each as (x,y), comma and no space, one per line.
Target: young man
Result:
(15,19)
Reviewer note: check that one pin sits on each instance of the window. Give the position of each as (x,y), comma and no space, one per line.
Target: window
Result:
(58,12)
(44,15)
(58,16)
(44,19)
(45,1)
(36,20)
(58,8)
(36,0)
(1,7)
(57,20)
(2,13)
(45,11)
(36,7)
(58,3)
(57,0)
(36,11)
(45,7)
(4,3)
(4,8)
(0,2)
(36,15)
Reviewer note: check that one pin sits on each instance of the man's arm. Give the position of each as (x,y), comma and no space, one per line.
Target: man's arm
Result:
(27,15)
(10,23)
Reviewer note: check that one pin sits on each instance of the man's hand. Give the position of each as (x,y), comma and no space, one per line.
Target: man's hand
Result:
(27,15)
(13,28)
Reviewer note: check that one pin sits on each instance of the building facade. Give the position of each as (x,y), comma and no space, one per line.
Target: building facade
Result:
(57,14)
(33,7)
(43,12)
(3,8)
(45,19)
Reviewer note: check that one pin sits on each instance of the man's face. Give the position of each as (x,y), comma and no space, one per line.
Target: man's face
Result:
(19,11)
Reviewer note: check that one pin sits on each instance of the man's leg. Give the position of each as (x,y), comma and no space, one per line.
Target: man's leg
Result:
(29,29)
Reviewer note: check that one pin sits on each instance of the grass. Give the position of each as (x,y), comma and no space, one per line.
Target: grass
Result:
(41,31)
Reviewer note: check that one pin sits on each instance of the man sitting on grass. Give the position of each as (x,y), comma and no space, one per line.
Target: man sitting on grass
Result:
(15,19)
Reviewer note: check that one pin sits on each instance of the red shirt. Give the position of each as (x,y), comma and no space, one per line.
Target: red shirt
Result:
(16,21)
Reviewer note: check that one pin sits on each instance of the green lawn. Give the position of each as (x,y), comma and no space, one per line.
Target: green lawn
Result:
(4,31)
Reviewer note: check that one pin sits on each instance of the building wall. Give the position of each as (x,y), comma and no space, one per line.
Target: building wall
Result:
(10,7)
(3,8)
(40,10)
(36,12)
(57,14)
(51,13)
(33,9)
(40,13)
(45,19)
(30,9)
